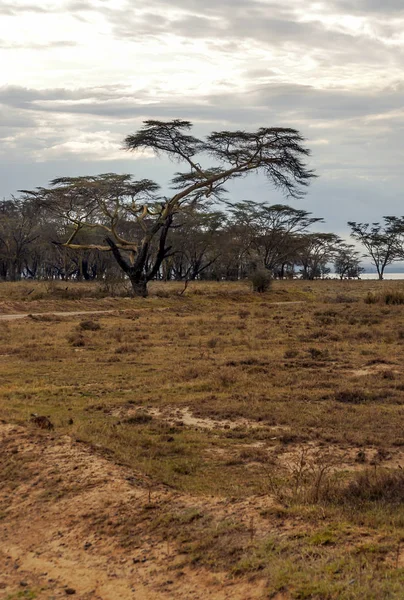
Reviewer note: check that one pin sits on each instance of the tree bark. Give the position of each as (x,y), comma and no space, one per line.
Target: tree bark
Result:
(139,286)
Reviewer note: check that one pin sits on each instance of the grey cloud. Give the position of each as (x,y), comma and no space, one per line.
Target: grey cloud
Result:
(311,103)
(380,7)
(272,25)
(297,102)
(346,123)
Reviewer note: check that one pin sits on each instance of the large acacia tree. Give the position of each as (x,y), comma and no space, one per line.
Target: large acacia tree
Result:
(133,220)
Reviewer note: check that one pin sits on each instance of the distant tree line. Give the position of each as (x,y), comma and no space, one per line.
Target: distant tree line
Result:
(203,243)
(108,226)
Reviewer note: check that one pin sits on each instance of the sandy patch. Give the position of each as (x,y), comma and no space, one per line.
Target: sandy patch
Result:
(49,543)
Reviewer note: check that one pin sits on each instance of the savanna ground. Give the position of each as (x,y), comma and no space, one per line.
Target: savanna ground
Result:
(215,444)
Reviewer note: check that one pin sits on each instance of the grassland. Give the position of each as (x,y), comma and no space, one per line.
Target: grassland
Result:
(287,406)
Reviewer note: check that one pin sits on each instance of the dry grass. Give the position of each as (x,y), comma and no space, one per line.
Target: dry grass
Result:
(300,402)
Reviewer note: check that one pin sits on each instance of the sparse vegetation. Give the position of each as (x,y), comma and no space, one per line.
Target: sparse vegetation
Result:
(288,415)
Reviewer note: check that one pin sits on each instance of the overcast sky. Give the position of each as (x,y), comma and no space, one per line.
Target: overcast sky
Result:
(77,77)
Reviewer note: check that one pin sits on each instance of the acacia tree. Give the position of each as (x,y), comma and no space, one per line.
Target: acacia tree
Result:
(347,262)
(18,231)
(383,242)
(108,202)
(315,252)
(274,231)
(194,242)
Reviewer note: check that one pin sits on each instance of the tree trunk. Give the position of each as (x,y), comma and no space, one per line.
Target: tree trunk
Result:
(139,286)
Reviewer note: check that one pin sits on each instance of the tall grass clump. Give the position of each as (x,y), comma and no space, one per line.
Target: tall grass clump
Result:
(393,297)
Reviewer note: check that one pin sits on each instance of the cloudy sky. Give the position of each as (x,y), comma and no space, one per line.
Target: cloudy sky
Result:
(77,76)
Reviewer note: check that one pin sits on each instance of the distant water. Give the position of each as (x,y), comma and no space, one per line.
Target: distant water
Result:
(387,276)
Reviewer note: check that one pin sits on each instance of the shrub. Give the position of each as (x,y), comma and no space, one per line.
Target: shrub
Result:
(88,325)
(371,298)
(114,286)
(139,419)
(261,281)
(291,353)
(126,349)
(351,396)
(227,377)
(316,353)
(76,339)
(375,486)
(393,297)
(344,299)
(45,318)
(212,343)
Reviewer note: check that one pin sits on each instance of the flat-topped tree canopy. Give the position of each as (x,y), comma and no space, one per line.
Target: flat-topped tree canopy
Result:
(135,220)
(277,152)
(383,241)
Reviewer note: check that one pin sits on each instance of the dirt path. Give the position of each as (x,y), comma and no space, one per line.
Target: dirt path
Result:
(63,511)
(16,316)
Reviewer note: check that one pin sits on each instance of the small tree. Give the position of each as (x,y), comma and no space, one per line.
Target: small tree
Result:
(194,241)
(273,231)
(347,262)
(134,220)
(316,251)
(383,243)
(18,232)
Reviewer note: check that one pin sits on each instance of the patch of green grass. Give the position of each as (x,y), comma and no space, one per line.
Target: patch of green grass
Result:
(25,594)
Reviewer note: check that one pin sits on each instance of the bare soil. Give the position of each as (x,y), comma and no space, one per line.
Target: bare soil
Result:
(52,541)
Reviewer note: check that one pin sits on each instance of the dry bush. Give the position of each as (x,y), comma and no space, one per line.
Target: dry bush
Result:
(371,298)
(67,292)
(111,359)
(126,349)
(291,353)
(76,339)
(140,419)
(393,297)
(388,374)
(305,479)
(114,287)
(261,281)
(89,325)
(191,373)
(316,353)
(373,485)
(46,318)
(352,397)
(344,299)
(212,343)
(227,377)
(258,455)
